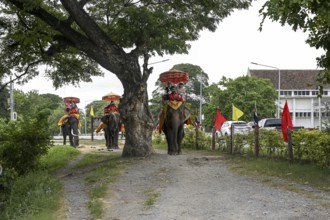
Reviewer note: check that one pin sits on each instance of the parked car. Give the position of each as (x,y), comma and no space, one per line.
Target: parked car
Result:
(270,123)
(240,127)
(251,124)
(274,123)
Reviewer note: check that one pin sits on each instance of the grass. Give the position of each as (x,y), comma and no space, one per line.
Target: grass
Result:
(152,196)
(305,174)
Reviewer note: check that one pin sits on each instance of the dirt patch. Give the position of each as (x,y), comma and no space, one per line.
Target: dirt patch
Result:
(192,187)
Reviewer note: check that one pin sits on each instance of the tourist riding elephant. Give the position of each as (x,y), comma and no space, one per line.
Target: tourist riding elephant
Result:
(174,127)
(73,130)
(111,129)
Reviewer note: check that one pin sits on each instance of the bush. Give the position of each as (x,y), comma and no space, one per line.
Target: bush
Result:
(189,140)
(23,142)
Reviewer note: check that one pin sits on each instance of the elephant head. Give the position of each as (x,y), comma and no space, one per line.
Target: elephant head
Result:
(73,127)
(111,130)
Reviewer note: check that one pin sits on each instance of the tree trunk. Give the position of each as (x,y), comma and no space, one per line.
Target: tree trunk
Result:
(135,113)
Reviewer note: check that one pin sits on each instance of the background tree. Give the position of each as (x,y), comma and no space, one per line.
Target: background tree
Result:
(72,37)
(192,88)
(244,92)
(310,16)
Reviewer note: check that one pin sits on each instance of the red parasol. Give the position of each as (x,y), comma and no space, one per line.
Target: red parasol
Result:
(111,97)
(174,76)
(69,100)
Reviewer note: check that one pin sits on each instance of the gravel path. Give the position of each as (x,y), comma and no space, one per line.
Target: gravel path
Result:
(194,187)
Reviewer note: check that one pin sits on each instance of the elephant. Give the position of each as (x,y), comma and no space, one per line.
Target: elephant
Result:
(111,129)
(73,130)
(175,118)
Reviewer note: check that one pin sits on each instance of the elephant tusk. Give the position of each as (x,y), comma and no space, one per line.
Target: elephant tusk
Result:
(75,134)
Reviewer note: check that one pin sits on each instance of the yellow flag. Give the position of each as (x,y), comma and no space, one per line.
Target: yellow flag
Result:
(91,111)
(237,113)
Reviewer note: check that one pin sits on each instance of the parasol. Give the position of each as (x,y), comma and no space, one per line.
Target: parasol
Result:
(174,76)
(111,97)
(69,100)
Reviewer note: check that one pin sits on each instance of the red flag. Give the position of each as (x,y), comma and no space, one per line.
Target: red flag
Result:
(219,120)
(286,121)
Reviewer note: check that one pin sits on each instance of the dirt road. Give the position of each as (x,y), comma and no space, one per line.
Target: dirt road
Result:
(197,187)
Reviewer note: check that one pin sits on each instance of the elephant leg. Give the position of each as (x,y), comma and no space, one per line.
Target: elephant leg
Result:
(106,135)
(180,138)
(171,143)
(71,140)
(64,139)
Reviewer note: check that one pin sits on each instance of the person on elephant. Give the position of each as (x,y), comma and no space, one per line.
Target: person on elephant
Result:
(182,91)
(174,96)
(112,107)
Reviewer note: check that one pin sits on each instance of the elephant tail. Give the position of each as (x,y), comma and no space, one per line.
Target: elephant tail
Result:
(75,134)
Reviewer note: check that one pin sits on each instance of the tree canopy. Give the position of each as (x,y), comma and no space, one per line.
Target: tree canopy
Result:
(310,16)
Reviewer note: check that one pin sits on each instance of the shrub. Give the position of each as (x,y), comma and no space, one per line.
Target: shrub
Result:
(189,140)
(22,143)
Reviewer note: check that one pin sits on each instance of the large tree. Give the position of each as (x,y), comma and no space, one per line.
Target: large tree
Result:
(71,38)
(311,16)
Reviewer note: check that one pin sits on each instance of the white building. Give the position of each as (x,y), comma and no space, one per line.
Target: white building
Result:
(300,88)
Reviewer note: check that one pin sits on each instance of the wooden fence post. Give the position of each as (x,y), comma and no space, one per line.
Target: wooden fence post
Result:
(232,139)
(290,149)
(256,140)
(213,138)
(92,129)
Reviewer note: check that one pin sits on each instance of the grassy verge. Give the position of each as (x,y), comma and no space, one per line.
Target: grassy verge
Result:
(296,173)
(38,195)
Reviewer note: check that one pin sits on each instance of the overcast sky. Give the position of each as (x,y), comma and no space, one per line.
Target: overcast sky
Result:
(227,52)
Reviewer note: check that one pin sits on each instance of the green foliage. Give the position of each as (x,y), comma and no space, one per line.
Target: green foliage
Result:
(57,157)
(312,146)
(23,142)
(31,195)
(310,16)
(189,140)
(308,146)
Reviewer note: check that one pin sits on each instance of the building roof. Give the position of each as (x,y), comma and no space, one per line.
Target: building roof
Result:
(290,79)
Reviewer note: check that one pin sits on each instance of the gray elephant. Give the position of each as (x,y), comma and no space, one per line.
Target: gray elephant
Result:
(174,128)
(73,130)
(111,130)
